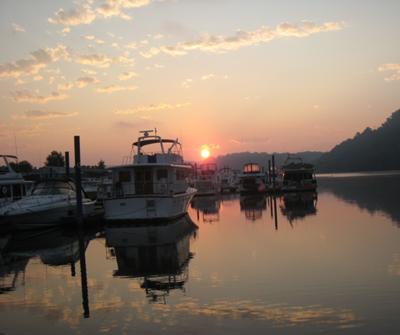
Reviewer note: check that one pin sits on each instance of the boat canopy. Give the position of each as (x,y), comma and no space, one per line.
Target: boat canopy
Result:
(153,141)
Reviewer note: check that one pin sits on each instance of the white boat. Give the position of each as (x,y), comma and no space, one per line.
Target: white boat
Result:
(12,185)
(154,186)
(227,180)
(252,179)
(298,176)
(50,203)
(206,179)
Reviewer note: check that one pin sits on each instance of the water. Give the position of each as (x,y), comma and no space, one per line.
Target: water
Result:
(324,265)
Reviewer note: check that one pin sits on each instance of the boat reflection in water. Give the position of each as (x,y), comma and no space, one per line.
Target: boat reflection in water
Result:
(208,207)
(157,255)
(253,206)
(296,206)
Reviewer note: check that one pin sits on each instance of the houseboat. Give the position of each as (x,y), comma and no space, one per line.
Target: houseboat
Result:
(298,176)
(154,185)
(252,179)
(206,179)
(12,185)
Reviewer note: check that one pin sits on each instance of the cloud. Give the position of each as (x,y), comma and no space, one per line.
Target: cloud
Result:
(101,60)
(84,81)
(27,96)
(85,14)
(74,17)
(37,61)
(17,28)
(187,83)
(115,88)
(208,76)
(115,7)
(220,44)
(40,115)
(150,108)
(392,67)
(127,75)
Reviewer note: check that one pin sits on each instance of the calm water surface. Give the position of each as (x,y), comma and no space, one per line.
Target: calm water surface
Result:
(326,263)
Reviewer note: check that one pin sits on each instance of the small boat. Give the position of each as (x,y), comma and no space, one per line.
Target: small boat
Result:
(252,179)
(206,179)
(227,180)
(12,184)
(51,203)
(154,186)
(298,176)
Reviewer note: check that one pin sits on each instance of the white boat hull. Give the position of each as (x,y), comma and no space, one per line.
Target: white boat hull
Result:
(48,217)
(149,207)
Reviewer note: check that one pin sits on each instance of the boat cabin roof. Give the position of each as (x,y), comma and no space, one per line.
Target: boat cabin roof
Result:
(153,140)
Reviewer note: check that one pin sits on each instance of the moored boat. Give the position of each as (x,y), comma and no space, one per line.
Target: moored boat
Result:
(252,179)
(206,179)
(12,184)
(51,203)
(154,186)
(298,176)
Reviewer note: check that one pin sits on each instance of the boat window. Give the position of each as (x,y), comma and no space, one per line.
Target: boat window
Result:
(5,191)
(181,174)
(54,188)
(4,169)
(162,174)
(124,176)
(17,191)
(251,168)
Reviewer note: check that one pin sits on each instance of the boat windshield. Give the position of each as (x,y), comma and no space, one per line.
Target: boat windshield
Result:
(251,168)
(54,188)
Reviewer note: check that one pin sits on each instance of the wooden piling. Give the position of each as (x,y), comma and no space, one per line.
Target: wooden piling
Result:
(78,180)
(67,164)
(273,174)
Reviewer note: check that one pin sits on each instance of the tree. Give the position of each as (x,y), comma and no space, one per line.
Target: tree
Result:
(22,167)
(101,164)
(55,159)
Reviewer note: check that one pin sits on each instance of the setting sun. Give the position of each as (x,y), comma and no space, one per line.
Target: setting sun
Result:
(205,153)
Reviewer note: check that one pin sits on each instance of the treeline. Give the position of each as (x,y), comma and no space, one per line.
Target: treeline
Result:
(372,150)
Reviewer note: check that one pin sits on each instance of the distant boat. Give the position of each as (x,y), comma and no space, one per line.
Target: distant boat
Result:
(298,176)
(252,179)
(154,186)
(228,180)
(12,184)
(51,203)
(206,179)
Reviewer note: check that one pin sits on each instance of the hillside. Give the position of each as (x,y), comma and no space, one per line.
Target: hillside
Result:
(372,150)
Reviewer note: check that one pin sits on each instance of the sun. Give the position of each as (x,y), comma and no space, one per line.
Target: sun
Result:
(205,153)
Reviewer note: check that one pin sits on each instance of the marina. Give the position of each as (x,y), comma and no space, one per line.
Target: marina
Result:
(177,277)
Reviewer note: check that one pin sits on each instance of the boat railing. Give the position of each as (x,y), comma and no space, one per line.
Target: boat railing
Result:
(148,187)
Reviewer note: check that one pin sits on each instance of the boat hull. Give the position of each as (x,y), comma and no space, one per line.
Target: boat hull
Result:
(47,218)
(149,207)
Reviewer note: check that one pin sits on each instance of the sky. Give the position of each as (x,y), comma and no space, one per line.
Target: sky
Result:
(235,75)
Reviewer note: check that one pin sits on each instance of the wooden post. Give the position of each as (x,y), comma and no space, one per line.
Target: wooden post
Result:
(78,180)
(275,213)
(67,164)
(273,173)
(269,171)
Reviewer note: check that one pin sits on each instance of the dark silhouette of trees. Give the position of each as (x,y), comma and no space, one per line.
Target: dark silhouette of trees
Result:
(22,167)
(372,150)
(55,158)
(101,164)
